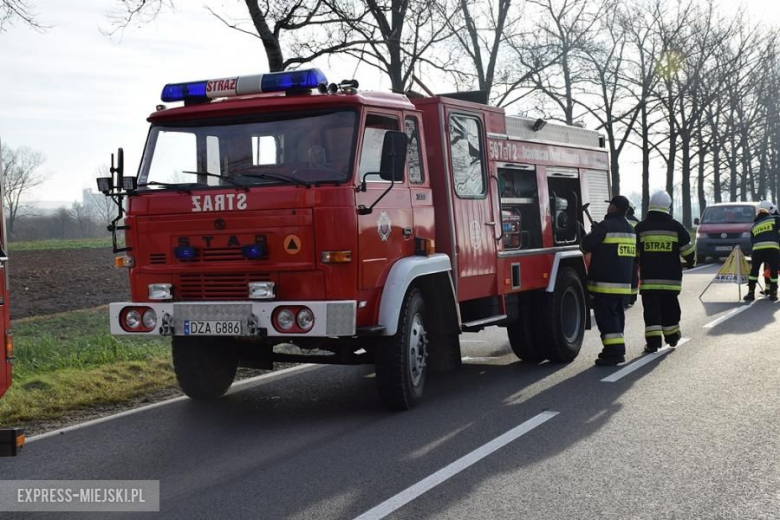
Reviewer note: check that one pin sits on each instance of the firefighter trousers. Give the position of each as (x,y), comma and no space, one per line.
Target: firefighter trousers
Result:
(769,257)
(662,318)
(611,320)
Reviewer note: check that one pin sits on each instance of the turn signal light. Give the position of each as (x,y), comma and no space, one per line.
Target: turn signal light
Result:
(424,246)
(9,346)
(124,261)
(336,257)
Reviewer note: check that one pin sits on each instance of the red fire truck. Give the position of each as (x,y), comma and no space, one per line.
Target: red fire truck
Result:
(361,227)
(11,440)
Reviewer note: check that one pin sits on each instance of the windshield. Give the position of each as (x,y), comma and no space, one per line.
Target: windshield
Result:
(728,215)
(289,148)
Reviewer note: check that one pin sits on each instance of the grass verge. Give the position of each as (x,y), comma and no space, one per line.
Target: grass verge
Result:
(70,361)
(78,243)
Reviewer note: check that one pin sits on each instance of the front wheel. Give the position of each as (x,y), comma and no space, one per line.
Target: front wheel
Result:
(204,367)
(561,318)
(402,360)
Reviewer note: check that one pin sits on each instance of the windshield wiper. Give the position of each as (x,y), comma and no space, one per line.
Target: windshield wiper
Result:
(230,181)
(276,176)
(180,187)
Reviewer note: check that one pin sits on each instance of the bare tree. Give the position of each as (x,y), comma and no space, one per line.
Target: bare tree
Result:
(322,29)
(22,174)
(83,215)
(12,11)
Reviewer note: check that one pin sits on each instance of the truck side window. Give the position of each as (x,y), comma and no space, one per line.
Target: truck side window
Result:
(373,139)
(414,164)
(467,158)
(520,218)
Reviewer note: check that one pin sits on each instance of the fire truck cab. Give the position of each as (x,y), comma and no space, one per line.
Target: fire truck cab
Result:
(362,227)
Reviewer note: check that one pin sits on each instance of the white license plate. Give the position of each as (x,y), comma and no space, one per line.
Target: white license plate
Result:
(724,248)
(212,328)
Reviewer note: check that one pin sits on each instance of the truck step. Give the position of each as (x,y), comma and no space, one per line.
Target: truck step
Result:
(484,321)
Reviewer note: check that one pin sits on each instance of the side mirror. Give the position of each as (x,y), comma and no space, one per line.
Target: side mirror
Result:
(119,170)
(393,161)
(696,222)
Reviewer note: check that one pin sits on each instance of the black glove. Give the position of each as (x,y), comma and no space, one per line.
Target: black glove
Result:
(690,263)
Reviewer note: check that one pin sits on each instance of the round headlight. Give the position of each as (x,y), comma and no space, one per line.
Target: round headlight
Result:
(150,319)
(285,319)
(133,319)
(305,319)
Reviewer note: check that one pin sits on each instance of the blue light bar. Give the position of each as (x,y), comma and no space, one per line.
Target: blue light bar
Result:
(292,80)
(184,253)
(193,91)
(288,81)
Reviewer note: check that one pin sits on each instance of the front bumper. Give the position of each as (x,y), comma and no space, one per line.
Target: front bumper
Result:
(331,318)
(721,246)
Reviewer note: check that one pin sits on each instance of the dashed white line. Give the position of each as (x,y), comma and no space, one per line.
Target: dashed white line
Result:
(404,497)
(647,358)
(728,316)
(239,385)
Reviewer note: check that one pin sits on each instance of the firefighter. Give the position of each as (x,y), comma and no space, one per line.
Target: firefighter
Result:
(767,279)
(612,244)
(766,250)
(661,241)
(631,217)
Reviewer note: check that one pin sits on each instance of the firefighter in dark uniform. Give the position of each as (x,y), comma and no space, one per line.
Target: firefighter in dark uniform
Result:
(631,217)
(767,279)
(612,244)
(766,250)
(661,241)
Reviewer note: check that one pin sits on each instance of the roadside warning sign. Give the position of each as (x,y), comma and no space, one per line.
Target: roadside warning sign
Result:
(292,244)
(735,269)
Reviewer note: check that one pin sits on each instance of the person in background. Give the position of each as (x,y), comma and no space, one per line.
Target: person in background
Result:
(612,245)
(661,241)
(767,278)
(766,250)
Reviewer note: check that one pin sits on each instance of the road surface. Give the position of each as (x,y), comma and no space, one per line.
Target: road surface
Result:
(688,433)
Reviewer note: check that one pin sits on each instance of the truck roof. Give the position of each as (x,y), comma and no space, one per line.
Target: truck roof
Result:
(243,105)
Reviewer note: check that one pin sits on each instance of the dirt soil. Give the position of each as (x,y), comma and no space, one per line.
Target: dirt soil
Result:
(51,281)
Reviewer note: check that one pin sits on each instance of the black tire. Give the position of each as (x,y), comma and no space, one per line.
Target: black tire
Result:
(444,352)
(560,323)
(401,360)
(521,337)
(204,367)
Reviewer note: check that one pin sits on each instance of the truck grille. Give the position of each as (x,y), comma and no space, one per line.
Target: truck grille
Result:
(157,258)
(221,254)
(204,287)
(728,235)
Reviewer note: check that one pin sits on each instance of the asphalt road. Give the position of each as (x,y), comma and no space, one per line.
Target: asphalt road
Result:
(693,433)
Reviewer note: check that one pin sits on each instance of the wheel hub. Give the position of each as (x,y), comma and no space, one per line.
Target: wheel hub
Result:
(418,350)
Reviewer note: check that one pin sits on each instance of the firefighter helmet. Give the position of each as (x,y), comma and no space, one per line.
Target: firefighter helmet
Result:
(660,201)
(765,207)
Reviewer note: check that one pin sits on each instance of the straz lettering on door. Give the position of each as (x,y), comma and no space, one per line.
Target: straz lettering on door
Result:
(222,202)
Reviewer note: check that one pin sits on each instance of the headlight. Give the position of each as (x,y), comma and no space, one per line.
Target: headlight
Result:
(305,319)
(746,234)
(285,319)
(160,291)
(133,319)
(150,319)
(261,290)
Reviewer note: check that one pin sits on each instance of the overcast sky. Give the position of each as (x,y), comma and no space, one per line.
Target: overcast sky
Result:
(76,95)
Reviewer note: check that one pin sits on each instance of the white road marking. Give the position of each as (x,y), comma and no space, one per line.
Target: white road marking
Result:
(237,386)
(705,266)
(728,316)
(647,358)
(404,497)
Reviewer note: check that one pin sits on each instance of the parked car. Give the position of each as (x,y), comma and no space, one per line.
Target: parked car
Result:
(723,226)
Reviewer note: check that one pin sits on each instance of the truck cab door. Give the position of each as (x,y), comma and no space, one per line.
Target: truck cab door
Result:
(476,227)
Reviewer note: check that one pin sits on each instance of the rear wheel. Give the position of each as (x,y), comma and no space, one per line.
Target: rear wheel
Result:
(402,361)
(560,324)
(204,367)
(521,337)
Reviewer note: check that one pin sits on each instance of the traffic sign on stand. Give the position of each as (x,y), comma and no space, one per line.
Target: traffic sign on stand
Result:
(735,269)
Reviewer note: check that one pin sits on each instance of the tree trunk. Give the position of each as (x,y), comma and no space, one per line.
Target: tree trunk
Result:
(273,50)
(685,139)
(716,186)
(645,161)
